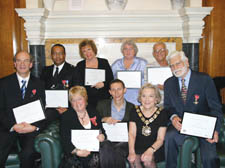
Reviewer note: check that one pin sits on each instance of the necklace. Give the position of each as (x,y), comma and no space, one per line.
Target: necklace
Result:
(82,118)
(146,129)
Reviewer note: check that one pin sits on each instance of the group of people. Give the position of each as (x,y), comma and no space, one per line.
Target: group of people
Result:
(153,129)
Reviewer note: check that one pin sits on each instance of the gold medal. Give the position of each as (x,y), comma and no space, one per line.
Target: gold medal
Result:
(146,130)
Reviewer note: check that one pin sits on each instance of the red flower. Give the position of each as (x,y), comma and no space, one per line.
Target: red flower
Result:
(34,91)
(93,120)
(64,82)
(196,97)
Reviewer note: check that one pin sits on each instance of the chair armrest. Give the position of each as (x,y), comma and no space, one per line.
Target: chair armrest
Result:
(190,145)
(48,145)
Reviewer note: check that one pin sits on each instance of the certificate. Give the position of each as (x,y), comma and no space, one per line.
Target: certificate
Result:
(56,98)
(85,139)
(29,113)
(131,79)
(93,76)
(116,132)
(158,75)
(198,125)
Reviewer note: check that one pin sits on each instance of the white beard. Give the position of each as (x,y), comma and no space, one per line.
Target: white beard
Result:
(183,71)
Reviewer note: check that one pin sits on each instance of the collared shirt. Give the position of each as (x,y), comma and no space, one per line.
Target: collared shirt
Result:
(139,64)
(118,115)
(186,79)
(60,68)
(21,78)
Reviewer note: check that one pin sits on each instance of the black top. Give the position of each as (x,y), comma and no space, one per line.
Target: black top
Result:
(70,120)
(94,95)
(142,142)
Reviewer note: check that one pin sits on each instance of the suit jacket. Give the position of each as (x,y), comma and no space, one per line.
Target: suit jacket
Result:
(201,89)
(104,109)
(10,97)
(68,73)
(94,95)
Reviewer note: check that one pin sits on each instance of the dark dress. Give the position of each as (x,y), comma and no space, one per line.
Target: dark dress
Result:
(69,121)
(94,95)
(142,142)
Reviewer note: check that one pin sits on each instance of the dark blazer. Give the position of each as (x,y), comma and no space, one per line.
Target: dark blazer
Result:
(10,97)
(104,109)
(94,95)
(69,121)
(68,72)
(201,85)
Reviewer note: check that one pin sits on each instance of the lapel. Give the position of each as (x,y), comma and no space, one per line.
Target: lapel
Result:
(63,70)
(191,87)
(30,87)
(177,96)
(16,92)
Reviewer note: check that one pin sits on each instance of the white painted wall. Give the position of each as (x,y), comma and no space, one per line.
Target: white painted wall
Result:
(62,5)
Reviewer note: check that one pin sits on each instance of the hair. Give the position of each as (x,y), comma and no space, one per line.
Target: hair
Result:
(150,86)
(58,45)
(18,52)
(129,42)
(90,43)
(176,53)
(116,81)
(78,90)
(160,43)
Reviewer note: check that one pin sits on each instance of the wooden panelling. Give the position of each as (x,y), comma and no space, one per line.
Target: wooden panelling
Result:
(12,34)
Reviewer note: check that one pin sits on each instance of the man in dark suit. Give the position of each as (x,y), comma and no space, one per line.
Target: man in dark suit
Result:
(59,76)
(189,91)
(17,89)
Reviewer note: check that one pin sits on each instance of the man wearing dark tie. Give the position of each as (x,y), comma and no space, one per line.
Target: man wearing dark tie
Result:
(17,89)
(59,76)
(195,92)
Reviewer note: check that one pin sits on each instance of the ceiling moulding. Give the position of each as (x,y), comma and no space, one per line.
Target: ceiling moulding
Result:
(41,24)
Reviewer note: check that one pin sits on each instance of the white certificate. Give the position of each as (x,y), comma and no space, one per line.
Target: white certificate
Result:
(29,113)
(198,125)
(56,98)
(93,76)
(116,132)
(131,79)
(85,139)
(158,75)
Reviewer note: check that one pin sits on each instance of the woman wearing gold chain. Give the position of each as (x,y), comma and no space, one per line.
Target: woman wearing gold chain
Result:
(147,128)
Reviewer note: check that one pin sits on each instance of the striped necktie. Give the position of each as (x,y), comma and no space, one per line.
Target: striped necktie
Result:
(23,88)
(183,90)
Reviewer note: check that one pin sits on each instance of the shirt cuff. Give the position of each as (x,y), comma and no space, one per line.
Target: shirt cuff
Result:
(171,118)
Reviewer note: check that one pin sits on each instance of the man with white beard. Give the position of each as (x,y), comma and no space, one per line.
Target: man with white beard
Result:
(195,92)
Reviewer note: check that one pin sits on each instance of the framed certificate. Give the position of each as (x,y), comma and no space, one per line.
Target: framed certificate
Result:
(93,76)
(131,79)
(116,132)
(158,75)
(56,98)
(85,139)
(198,125)
(29,113)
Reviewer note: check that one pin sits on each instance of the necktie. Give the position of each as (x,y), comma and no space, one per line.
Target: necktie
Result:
(23,88)
(56,73)
(183,90)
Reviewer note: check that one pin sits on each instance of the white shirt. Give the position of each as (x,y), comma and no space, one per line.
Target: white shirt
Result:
(60,68)
(21,78)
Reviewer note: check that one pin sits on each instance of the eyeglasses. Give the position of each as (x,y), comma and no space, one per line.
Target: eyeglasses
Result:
(160,50)
(176,64)
(22,61)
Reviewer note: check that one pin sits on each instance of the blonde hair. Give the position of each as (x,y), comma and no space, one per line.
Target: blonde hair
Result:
(78,90)
(150,86)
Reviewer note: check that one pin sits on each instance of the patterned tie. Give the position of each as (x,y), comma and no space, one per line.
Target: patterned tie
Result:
(23,88)
(183,90)
(56,73)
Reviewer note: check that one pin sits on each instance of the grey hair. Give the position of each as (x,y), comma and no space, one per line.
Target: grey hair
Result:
(176,53)
(31,57)
(129,42)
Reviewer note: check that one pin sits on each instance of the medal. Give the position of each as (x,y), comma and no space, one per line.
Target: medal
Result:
(146,130)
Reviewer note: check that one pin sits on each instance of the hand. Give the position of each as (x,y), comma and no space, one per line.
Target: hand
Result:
(176,121)
(214,139)
(83,153)
(23,128)
(101,137)
(161,87)
(131,157)
(18,127)
(147,155)
(61,110)
(98,85)
(110,120)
